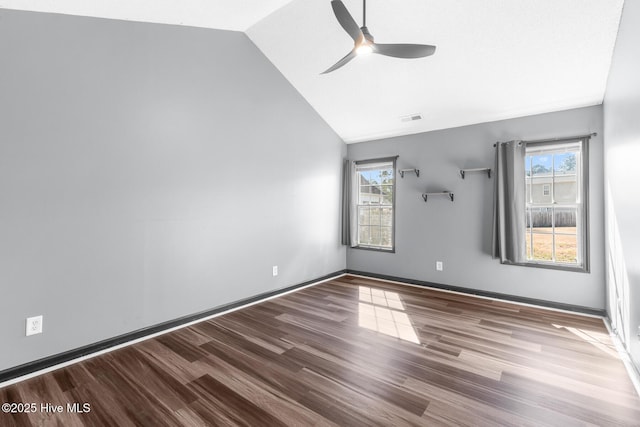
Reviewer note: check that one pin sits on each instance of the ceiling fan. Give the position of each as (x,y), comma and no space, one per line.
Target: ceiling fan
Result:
(363,40)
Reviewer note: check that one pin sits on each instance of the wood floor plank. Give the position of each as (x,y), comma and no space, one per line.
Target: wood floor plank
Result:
(266,393)
(352,351)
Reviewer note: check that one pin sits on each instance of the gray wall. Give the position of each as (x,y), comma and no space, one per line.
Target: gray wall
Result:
(459,233)
(149,172)
(622,175)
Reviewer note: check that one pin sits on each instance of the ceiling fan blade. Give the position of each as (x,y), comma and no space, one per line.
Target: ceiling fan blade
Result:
(404,50)
(346,20)
(348,57)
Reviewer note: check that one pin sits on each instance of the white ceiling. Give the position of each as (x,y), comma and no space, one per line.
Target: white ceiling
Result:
(235,15)
(495,59)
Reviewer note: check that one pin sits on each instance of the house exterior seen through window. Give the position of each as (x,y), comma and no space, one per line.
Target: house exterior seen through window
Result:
(556,211)
(375,182)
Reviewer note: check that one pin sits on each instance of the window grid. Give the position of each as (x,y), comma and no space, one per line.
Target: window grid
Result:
(553,207)
(376,188)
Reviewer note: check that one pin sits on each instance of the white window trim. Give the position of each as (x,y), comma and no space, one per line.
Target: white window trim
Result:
(356,187)
(582,223)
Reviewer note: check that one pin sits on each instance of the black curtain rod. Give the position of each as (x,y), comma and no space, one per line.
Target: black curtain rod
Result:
(566,138)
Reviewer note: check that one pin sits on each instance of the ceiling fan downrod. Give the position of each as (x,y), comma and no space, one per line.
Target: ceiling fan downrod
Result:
(364,13)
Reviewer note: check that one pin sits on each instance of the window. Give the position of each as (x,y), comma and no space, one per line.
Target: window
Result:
(375,201)
(556,209)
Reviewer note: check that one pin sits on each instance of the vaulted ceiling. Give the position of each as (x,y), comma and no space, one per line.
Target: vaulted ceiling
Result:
(495,59)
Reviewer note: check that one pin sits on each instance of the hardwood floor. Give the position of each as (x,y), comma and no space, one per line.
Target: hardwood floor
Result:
(351,352)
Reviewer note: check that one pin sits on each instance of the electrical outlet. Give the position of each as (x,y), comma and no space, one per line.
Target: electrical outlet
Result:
(275,270)
(34,325)
(439,266)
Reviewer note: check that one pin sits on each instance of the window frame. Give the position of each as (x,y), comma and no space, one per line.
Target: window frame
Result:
(391,160)
(582,190)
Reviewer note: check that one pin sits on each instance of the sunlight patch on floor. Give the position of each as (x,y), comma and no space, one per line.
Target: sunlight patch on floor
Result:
(383,311)
(597,339)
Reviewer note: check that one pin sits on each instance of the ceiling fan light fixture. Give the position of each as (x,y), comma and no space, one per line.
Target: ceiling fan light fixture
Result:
(365,48)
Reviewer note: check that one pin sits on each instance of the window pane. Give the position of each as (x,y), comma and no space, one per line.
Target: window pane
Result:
(565,220)
(528,222)
(541,165)
(565,189)
(566,248)
(542,247)
(565,163)
(376,194)
(375,216)
(385,236)
(365,194)
(387,217)
(364,236)
(541,220)
(363,215)
(387,194)
(538,186)
(374,177)
(386,176)
(375,236)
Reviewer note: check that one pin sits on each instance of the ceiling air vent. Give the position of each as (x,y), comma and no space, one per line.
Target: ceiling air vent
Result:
(411,117)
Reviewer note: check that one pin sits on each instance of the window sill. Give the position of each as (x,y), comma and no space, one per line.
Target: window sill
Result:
(549,266)
(374,249)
